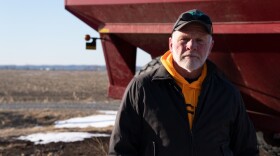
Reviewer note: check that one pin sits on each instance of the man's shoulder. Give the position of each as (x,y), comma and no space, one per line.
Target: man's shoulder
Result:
(220,77)
(146,76)
(155,76)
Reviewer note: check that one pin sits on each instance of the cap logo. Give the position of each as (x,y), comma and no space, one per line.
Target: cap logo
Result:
(195,13)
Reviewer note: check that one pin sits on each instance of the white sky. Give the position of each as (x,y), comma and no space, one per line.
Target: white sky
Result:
(42,32)
(105,119)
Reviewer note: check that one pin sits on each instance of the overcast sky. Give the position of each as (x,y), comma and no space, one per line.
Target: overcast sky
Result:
(42,32)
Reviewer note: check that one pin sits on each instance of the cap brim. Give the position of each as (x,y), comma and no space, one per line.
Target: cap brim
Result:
(207,27)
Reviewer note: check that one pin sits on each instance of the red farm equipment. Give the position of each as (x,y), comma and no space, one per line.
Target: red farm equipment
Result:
(246,34)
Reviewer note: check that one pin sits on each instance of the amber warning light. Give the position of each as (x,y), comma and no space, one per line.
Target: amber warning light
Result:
(91,45)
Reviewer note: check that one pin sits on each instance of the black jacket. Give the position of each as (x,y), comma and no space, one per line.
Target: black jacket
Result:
(152,119)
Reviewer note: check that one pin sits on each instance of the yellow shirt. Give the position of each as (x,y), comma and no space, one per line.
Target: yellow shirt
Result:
(191,91)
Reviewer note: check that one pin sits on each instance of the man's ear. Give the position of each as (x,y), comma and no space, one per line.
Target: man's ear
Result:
(212,44)
(170,44)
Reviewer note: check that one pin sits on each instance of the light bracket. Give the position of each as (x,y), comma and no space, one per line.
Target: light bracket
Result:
(91,45)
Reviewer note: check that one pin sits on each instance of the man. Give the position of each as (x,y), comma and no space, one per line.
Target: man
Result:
(185,107)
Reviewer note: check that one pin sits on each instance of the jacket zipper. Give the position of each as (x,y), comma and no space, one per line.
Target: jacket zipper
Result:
(193,153)
(154,148)
(192,144)
(199,103)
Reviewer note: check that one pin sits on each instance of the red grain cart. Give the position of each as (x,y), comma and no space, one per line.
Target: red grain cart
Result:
(246,34)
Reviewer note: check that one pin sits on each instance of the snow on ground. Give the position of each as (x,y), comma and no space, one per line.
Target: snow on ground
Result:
(105,119)
(98,121)
(45,138)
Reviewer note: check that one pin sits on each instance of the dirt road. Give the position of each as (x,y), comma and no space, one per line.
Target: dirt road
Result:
(62,106)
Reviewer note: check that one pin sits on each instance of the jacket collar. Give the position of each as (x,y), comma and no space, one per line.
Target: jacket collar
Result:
(162,74)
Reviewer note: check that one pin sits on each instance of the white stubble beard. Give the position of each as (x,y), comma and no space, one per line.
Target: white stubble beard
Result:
(189,63)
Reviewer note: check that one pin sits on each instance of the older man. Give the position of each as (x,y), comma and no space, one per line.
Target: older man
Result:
(186,106)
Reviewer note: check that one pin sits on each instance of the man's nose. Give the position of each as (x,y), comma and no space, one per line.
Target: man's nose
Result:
(191,44)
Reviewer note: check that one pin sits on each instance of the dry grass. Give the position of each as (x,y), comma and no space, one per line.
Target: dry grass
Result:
(52,86)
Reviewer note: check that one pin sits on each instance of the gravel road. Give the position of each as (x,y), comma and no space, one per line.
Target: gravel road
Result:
(77,106)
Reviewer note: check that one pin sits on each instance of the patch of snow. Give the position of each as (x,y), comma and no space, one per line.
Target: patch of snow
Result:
(108,112)
(105,119)
(45,138)
(97,121)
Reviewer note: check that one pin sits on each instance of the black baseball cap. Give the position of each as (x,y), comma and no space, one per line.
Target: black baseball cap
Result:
(193,16)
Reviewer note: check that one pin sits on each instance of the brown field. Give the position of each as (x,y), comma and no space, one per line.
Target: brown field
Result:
(52,86)
(28,88)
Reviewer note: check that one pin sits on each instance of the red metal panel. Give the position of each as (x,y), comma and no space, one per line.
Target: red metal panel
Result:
(120,57)
(113,2)
(251,62)
(264,121)
(271,27)
(219,28)
(260,76)
(153,12)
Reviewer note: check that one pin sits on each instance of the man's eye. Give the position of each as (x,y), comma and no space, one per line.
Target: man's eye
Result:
(184,39)
(199,40)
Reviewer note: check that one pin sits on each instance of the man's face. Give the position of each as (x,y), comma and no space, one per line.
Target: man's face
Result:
(190,46)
